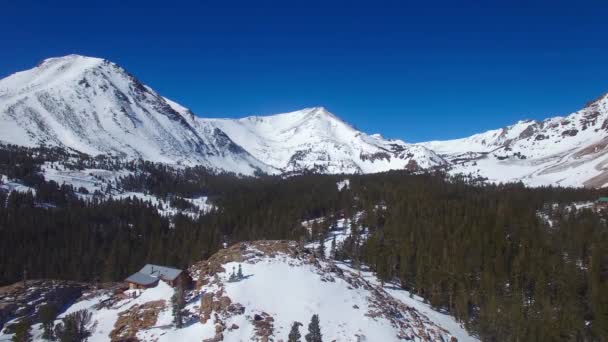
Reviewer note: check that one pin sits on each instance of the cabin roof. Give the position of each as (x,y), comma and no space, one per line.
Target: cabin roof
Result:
(150,273)
(167,273)
(141,279)
(602,199)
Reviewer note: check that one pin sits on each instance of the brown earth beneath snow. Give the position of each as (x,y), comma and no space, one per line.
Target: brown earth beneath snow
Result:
(136,318)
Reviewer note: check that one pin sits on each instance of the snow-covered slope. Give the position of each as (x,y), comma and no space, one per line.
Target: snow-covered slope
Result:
(281,284)
(569,151)
(94,106)
(315,139)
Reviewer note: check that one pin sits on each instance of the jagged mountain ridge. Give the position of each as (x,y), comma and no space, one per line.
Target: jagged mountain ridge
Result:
(569,151)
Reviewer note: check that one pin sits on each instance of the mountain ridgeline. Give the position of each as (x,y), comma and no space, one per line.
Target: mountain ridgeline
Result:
(94,106)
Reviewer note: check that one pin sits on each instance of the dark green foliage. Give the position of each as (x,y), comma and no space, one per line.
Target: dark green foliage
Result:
(75,327)
(48,314)
(321,248)
(314,330)
(23,331)
(484,254)
(178,303)
(239,274)
(233,276)
(294,333)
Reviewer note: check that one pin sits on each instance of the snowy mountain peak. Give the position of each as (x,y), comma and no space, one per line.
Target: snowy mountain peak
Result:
(50,72)
(97,107)
(313,139)
(72,59)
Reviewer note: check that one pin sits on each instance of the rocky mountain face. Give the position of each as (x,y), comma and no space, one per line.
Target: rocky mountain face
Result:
(96,107)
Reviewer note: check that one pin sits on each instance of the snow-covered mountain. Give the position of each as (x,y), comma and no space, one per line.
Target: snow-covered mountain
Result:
(315,139)
(569,151)
(94,106)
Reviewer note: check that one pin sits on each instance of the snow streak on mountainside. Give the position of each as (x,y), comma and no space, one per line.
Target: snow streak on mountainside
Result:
(314,139)
(569,151)
(94,106)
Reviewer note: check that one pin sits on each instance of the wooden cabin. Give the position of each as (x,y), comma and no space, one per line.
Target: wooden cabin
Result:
(150,274)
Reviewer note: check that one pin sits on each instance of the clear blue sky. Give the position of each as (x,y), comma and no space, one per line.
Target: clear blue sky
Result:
(407,70)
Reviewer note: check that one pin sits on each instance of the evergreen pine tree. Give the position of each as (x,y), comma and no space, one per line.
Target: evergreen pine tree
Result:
(178,302)
(321,248)
(233,276)
(23,331)
(294,334)
(314,330)
(239,275)
(48,314)
(75,327)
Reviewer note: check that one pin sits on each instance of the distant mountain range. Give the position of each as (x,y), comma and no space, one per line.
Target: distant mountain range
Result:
(96,107)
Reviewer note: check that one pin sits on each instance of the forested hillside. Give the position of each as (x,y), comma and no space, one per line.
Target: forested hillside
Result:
(510,262)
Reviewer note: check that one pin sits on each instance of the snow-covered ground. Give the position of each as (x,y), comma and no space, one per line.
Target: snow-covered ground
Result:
(105,317)
(343,184)
(280,285)
(99,180)
(9,185)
